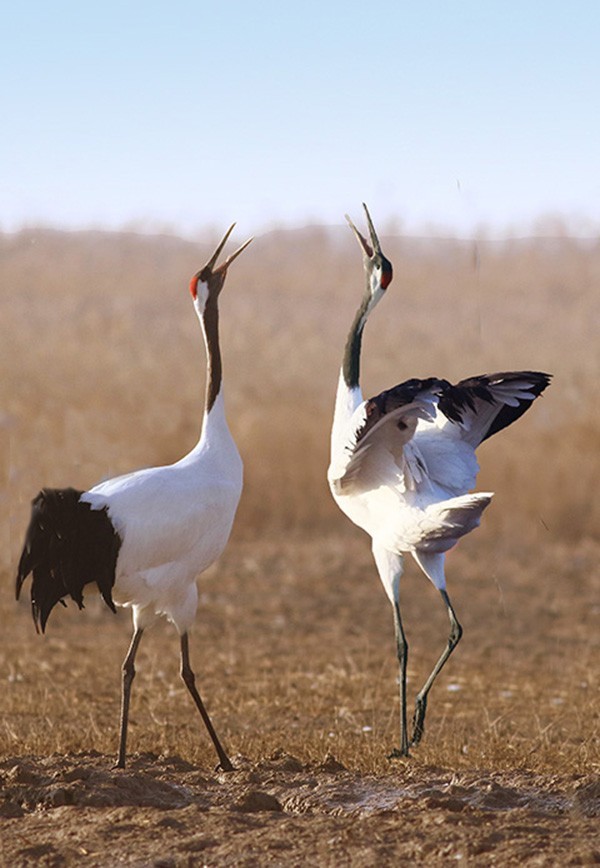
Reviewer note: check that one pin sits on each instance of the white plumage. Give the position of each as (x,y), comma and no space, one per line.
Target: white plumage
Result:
(174,522)
(146,536)
(403,464)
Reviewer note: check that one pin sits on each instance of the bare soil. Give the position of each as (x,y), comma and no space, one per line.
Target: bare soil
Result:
(298,673)
(163,811)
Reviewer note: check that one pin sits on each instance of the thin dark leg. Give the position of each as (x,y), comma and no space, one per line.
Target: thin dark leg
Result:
(402,651)
(190,682)
(421,701)
(128,676)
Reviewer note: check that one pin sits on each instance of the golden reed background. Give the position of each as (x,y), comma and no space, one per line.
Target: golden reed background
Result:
(102,364)
(103,371)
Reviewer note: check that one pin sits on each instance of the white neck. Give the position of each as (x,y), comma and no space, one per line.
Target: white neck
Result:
(217,446)
(347,399)
(215,431)
(214,423)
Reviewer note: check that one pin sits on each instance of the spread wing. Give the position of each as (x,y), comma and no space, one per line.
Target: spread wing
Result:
(379,448)
(486,404)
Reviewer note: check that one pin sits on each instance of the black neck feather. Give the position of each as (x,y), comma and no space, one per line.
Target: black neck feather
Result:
(214,365)
(351,362)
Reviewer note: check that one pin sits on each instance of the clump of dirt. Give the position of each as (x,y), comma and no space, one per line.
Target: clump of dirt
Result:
(163,811)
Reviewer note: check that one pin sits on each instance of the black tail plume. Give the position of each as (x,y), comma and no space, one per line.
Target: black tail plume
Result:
(68,545)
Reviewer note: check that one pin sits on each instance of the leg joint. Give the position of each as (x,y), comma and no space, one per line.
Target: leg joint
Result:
(455,634)
(401,648)
(188,675)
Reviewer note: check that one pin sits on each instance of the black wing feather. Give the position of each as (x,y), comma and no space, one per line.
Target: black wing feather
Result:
(456,399)
(392,399)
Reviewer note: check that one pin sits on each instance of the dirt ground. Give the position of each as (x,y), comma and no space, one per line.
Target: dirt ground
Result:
(163,811)
(299,676)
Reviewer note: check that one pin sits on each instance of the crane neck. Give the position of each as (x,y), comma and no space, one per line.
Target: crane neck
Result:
(352,350)
(349,395)
(214,367)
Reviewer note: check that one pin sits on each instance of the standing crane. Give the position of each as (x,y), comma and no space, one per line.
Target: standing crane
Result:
(146,536)
(403,464)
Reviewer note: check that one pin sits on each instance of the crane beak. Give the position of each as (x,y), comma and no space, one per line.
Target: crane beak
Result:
(209,268)
(374,246)
(211,262)
(225,265)
(372,233)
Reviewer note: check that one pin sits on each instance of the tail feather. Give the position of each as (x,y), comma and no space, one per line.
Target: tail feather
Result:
(68,545)
(450,519)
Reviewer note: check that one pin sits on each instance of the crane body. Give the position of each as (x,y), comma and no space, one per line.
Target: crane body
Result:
(145,537)
(403,465)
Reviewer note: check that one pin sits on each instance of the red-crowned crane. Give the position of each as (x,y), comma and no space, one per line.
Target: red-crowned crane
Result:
(403,464)
(145,537)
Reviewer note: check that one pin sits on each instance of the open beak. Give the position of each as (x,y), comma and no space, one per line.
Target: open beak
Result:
(374,246)
(225,265)
(221,269)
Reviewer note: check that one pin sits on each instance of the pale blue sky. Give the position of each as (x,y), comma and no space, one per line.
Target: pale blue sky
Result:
(186,114)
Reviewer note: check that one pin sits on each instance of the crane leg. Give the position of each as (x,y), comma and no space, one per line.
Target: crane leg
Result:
(421,701)
(190,682)
(128,676)
(402,652)
(389,566)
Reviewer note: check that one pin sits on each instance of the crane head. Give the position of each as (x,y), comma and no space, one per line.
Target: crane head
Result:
(210,279)
(377,267)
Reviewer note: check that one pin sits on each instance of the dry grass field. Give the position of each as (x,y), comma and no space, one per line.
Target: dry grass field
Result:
(102,372)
